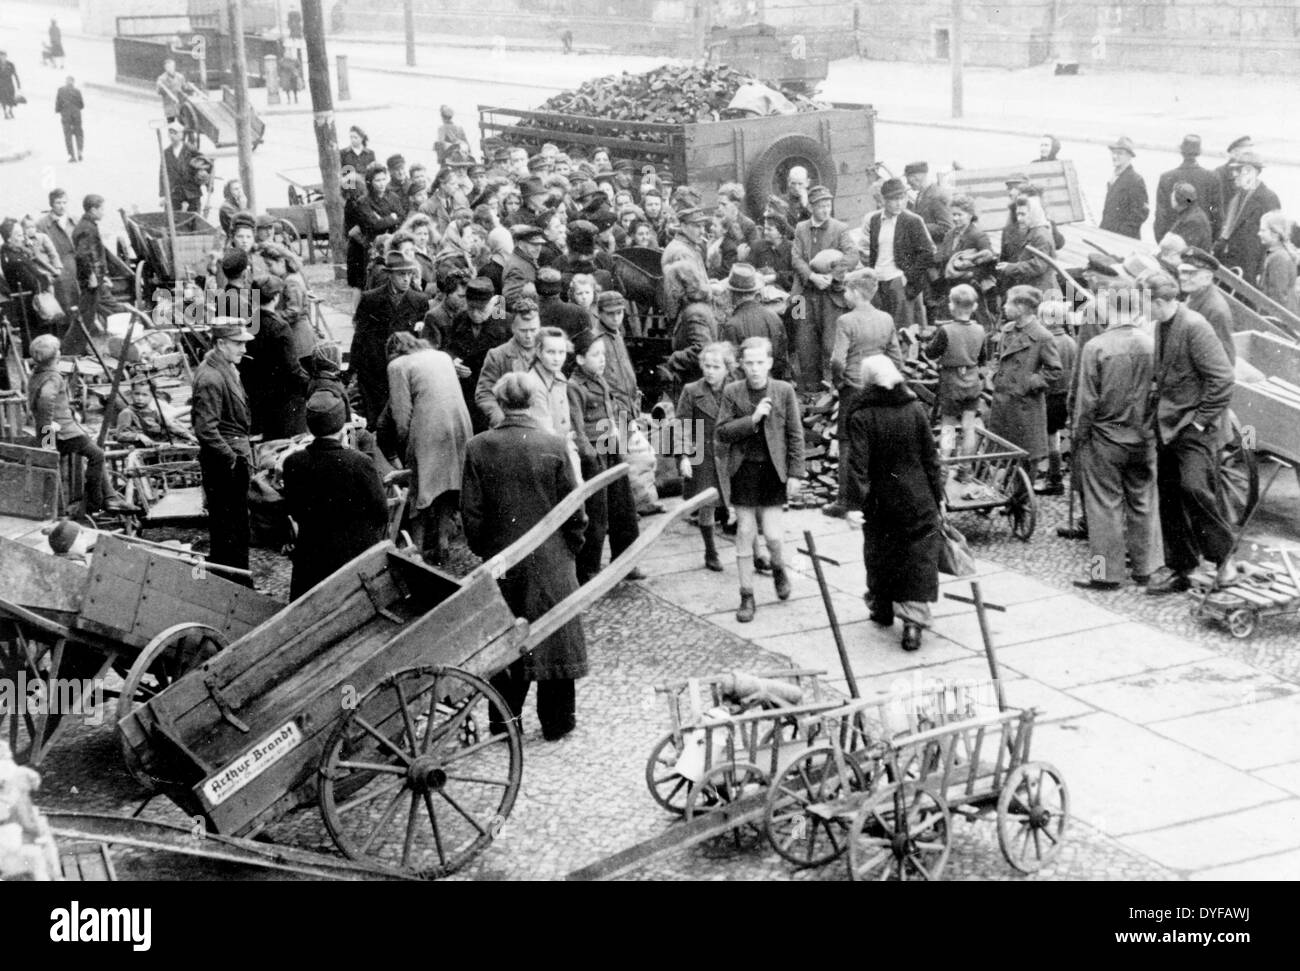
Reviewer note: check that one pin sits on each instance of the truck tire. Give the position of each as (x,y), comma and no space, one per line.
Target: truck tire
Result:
(767,175)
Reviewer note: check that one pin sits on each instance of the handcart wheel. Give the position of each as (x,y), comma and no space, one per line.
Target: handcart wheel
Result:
(167,657)
(1238,478)
(405,783)
(902,832)
(1033,811)
(801,823)
(1022,505)
(668,788)
(1242,622)
(722,785)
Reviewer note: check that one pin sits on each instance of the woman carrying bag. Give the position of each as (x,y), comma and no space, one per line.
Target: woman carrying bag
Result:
(895,479)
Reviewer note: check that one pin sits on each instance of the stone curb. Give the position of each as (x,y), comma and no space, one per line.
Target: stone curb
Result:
(302,108)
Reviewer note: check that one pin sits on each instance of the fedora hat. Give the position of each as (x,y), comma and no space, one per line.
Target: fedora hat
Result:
(395,262)
(1124,144)
(743,279)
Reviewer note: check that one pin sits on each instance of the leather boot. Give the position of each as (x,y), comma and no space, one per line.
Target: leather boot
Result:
(911,637)
(746,611)
(711,561)
(782,580)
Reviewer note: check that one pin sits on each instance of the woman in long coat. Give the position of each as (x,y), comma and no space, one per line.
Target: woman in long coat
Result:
(894,478)
(9,85)
(374,214)
(432,423)
(514,475)
(1028,362)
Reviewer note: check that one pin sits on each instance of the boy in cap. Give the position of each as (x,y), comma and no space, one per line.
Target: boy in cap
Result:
(334,495)
(143,424)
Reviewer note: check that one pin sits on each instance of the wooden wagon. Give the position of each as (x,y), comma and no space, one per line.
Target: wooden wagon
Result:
(72,633)
(369,698)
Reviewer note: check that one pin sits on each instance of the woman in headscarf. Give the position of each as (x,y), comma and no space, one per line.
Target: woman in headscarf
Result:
(1191,222)
(293,306)
(966,256)
(1278,276)
(1025,268)
(895,479)
(500,244)
(1049,146)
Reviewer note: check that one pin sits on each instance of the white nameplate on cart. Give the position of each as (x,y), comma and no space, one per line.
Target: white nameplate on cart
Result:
(251,764)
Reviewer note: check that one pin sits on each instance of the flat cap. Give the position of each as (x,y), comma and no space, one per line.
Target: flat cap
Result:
(916,168)
(531,186)
(1242,142)
(1199,258)
(527,233)
(1190,146)
(610,300)
(1123,144)
(243,218)
(326,413)
(819,193)
(230,328)
(479,290)
(692,214)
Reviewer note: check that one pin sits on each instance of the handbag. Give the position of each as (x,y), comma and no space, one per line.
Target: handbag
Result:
(955,557)
(46,306)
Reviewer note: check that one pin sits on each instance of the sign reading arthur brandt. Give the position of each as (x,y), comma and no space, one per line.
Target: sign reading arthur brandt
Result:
(228,781)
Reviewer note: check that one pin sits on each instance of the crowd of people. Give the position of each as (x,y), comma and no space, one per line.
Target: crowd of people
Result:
(490,360)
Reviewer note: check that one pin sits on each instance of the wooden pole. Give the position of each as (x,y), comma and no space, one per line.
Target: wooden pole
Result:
(955,54)
(322,101)
(167,205)
(408,12)
(243,122)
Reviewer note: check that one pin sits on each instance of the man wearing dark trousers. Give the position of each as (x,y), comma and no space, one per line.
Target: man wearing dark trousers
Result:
(92,272)
(220,415)
(68,105)
(1193,385)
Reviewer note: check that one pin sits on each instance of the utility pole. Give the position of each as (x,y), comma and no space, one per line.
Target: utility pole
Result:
(955,53)
(244,127)
(409,11)
(322,102)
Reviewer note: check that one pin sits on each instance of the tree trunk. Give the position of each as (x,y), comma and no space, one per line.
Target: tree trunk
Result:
(322,101)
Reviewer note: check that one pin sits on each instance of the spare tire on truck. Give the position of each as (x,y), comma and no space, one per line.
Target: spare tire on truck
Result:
(766,176)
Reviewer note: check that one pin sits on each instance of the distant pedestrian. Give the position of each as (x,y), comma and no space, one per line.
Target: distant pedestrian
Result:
(1126,207)
(1189,220)
(1205,186)
(172,87)
(290,78)
(55,49)
(10,85)
(68,105)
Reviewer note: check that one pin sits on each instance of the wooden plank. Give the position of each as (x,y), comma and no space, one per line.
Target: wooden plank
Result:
(41,581)
(29,488)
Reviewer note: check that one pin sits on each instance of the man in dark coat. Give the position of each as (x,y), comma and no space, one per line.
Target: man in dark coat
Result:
(1194,383)
(553,311)
(277,383)
(932,203)
(1201,179)
(900,250)
(1238,243)
(381,313)
(1126,207)
(749,318)
(1196,280)
(515,474)
(1190,222)
(68,105)
(475,331)
(92,271)
(220,416)
(176,175)
(521,266)
(895,479)
(816,331)
(334,495)
(1226,175)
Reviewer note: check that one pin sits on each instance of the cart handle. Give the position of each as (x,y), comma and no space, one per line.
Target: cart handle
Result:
(22,614)
(520,549)
(582,598)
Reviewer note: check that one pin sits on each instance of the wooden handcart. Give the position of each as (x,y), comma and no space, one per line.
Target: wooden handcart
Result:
(369,698)
(69,631)
(994,477)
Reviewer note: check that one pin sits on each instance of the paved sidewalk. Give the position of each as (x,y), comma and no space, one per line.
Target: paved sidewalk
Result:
(1183,756)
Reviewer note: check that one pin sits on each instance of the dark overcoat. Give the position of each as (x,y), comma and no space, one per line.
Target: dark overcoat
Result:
(335,496)
(380,314)
(782,429)
(1243,246)
(700,403)
(1028,362)
(276,383)
(1126,207)
(514,475)
(894,478)
(1206,184)
(1193,225)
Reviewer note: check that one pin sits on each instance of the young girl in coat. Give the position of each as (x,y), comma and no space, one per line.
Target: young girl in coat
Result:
(760,443)
(697,409)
